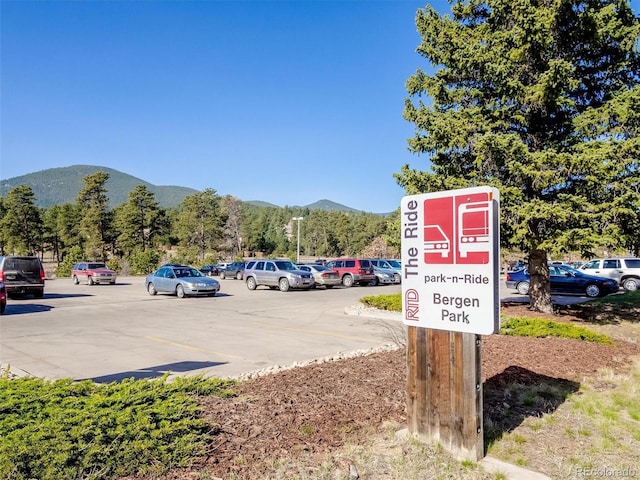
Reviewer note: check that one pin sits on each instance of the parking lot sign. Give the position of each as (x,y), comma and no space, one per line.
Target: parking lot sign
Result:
(450,256)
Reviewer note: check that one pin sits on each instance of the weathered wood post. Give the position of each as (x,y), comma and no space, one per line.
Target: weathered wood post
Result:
(444,390)
(450,254)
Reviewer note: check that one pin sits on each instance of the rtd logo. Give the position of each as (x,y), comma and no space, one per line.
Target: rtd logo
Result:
(412,305)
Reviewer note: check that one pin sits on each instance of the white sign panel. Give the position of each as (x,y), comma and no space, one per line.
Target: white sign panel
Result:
(450,260)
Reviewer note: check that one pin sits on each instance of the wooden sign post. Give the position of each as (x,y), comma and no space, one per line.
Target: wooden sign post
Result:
(450,255)
(444,390)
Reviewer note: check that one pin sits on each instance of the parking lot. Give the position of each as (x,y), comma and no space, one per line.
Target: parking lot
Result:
(111,332)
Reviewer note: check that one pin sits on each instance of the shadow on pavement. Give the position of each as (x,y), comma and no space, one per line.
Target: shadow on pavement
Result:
(155,372)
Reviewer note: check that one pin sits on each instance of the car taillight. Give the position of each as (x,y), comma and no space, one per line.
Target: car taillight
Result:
(42,274)
(1,276)
(508,277)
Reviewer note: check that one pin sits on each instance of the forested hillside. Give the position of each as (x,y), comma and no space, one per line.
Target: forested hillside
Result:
(57,186)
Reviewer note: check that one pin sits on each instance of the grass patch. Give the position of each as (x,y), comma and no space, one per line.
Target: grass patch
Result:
(61,429)
(540,328)
(624,300)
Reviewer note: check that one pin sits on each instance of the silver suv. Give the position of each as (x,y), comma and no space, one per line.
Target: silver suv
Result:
(282,274)
(625,270)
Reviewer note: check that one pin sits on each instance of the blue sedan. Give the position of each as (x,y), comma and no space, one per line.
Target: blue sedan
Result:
(565,280)
(181,280)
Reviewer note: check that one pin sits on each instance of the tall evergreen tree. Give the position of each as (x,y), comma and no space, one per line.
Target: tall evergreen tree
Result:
(95,227)
(138,221)
(540,99)
(200,221)
(21,223)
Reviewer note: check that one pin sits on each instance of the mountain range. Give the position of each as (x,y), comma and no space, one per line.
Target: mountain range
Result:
(57,186)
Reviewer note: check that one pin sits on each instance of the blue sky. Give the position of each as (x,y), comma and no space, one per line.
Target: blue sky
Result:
(286,102)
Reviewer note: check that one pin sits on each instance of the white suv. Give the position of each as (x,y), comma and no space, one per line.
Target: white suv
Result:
(625,270)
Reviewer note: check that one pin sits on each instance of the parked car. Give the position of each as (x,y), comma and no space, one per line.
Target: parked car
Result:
(92,273)
(210,270)
(393,265)
(282,274)
(565,280)
(626,271)
(233,270)
(322,276)
(22,275)
(181,281)
(384,276)
(353,270)
(3,298)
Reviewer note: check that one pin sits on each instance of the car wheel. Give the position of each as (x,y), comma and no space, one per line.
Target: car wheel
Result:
(396,278)
(222,276)
(374,282)
(238,275)
(38,293)
(347,281)
(180,291)
(592,291)
(283,285)
(151,288)
(630,284)
(523,288)
(90,280)
(75,280)
(251,283)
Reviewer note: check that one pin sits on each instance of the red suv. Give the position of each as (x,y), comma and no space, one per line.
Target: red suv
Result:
(353,270)
(92,273)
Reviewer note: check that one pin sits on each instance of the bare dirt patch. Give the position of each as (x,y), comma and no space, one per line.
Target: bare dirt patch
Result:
(304,413)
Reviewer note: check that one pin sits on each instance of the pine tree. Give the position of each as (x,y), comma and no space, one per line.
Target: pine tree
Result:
(539,99)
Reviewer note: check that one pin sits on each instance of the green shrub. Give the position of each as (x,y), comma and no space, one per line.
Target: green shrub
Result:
(74,255)
(143,263)
(62,429)
(535,327)
(392,302)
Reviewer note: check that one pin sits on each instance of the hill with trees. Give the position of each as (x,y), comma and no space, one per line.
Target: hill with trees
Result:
(57,186)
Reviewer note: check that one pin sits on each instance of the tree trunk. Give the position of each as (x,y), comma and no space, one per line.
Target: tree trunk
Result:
(539,288)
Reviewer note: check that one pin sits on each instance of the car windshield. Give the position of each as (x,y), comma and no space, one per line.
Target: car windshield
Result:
(187,272)
(563,269)
(395,264)
(94,266)
(285,265)
(321,268)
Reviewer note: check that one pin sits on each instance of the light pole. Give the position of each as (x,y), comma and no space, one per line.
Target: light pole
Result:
(298,219)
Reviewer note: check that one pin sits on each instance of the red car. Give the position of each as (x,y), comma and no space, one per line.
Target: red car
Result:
(353,270)
(3,298)
(92,273)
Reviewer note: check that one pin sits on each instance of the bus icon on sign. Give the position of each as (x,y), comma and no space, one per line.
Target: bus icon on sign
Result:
(473,228)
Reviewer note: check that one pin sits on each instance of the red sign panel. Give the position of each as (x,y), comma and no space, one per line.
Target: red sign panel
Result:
(457,229)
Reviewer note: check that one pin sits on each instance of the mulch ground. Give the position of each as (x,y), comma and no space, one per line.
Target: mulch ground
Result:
(316,409)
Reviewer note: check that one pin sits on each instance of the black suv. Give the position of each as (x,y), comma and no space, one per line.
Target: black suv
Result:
(22,275)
